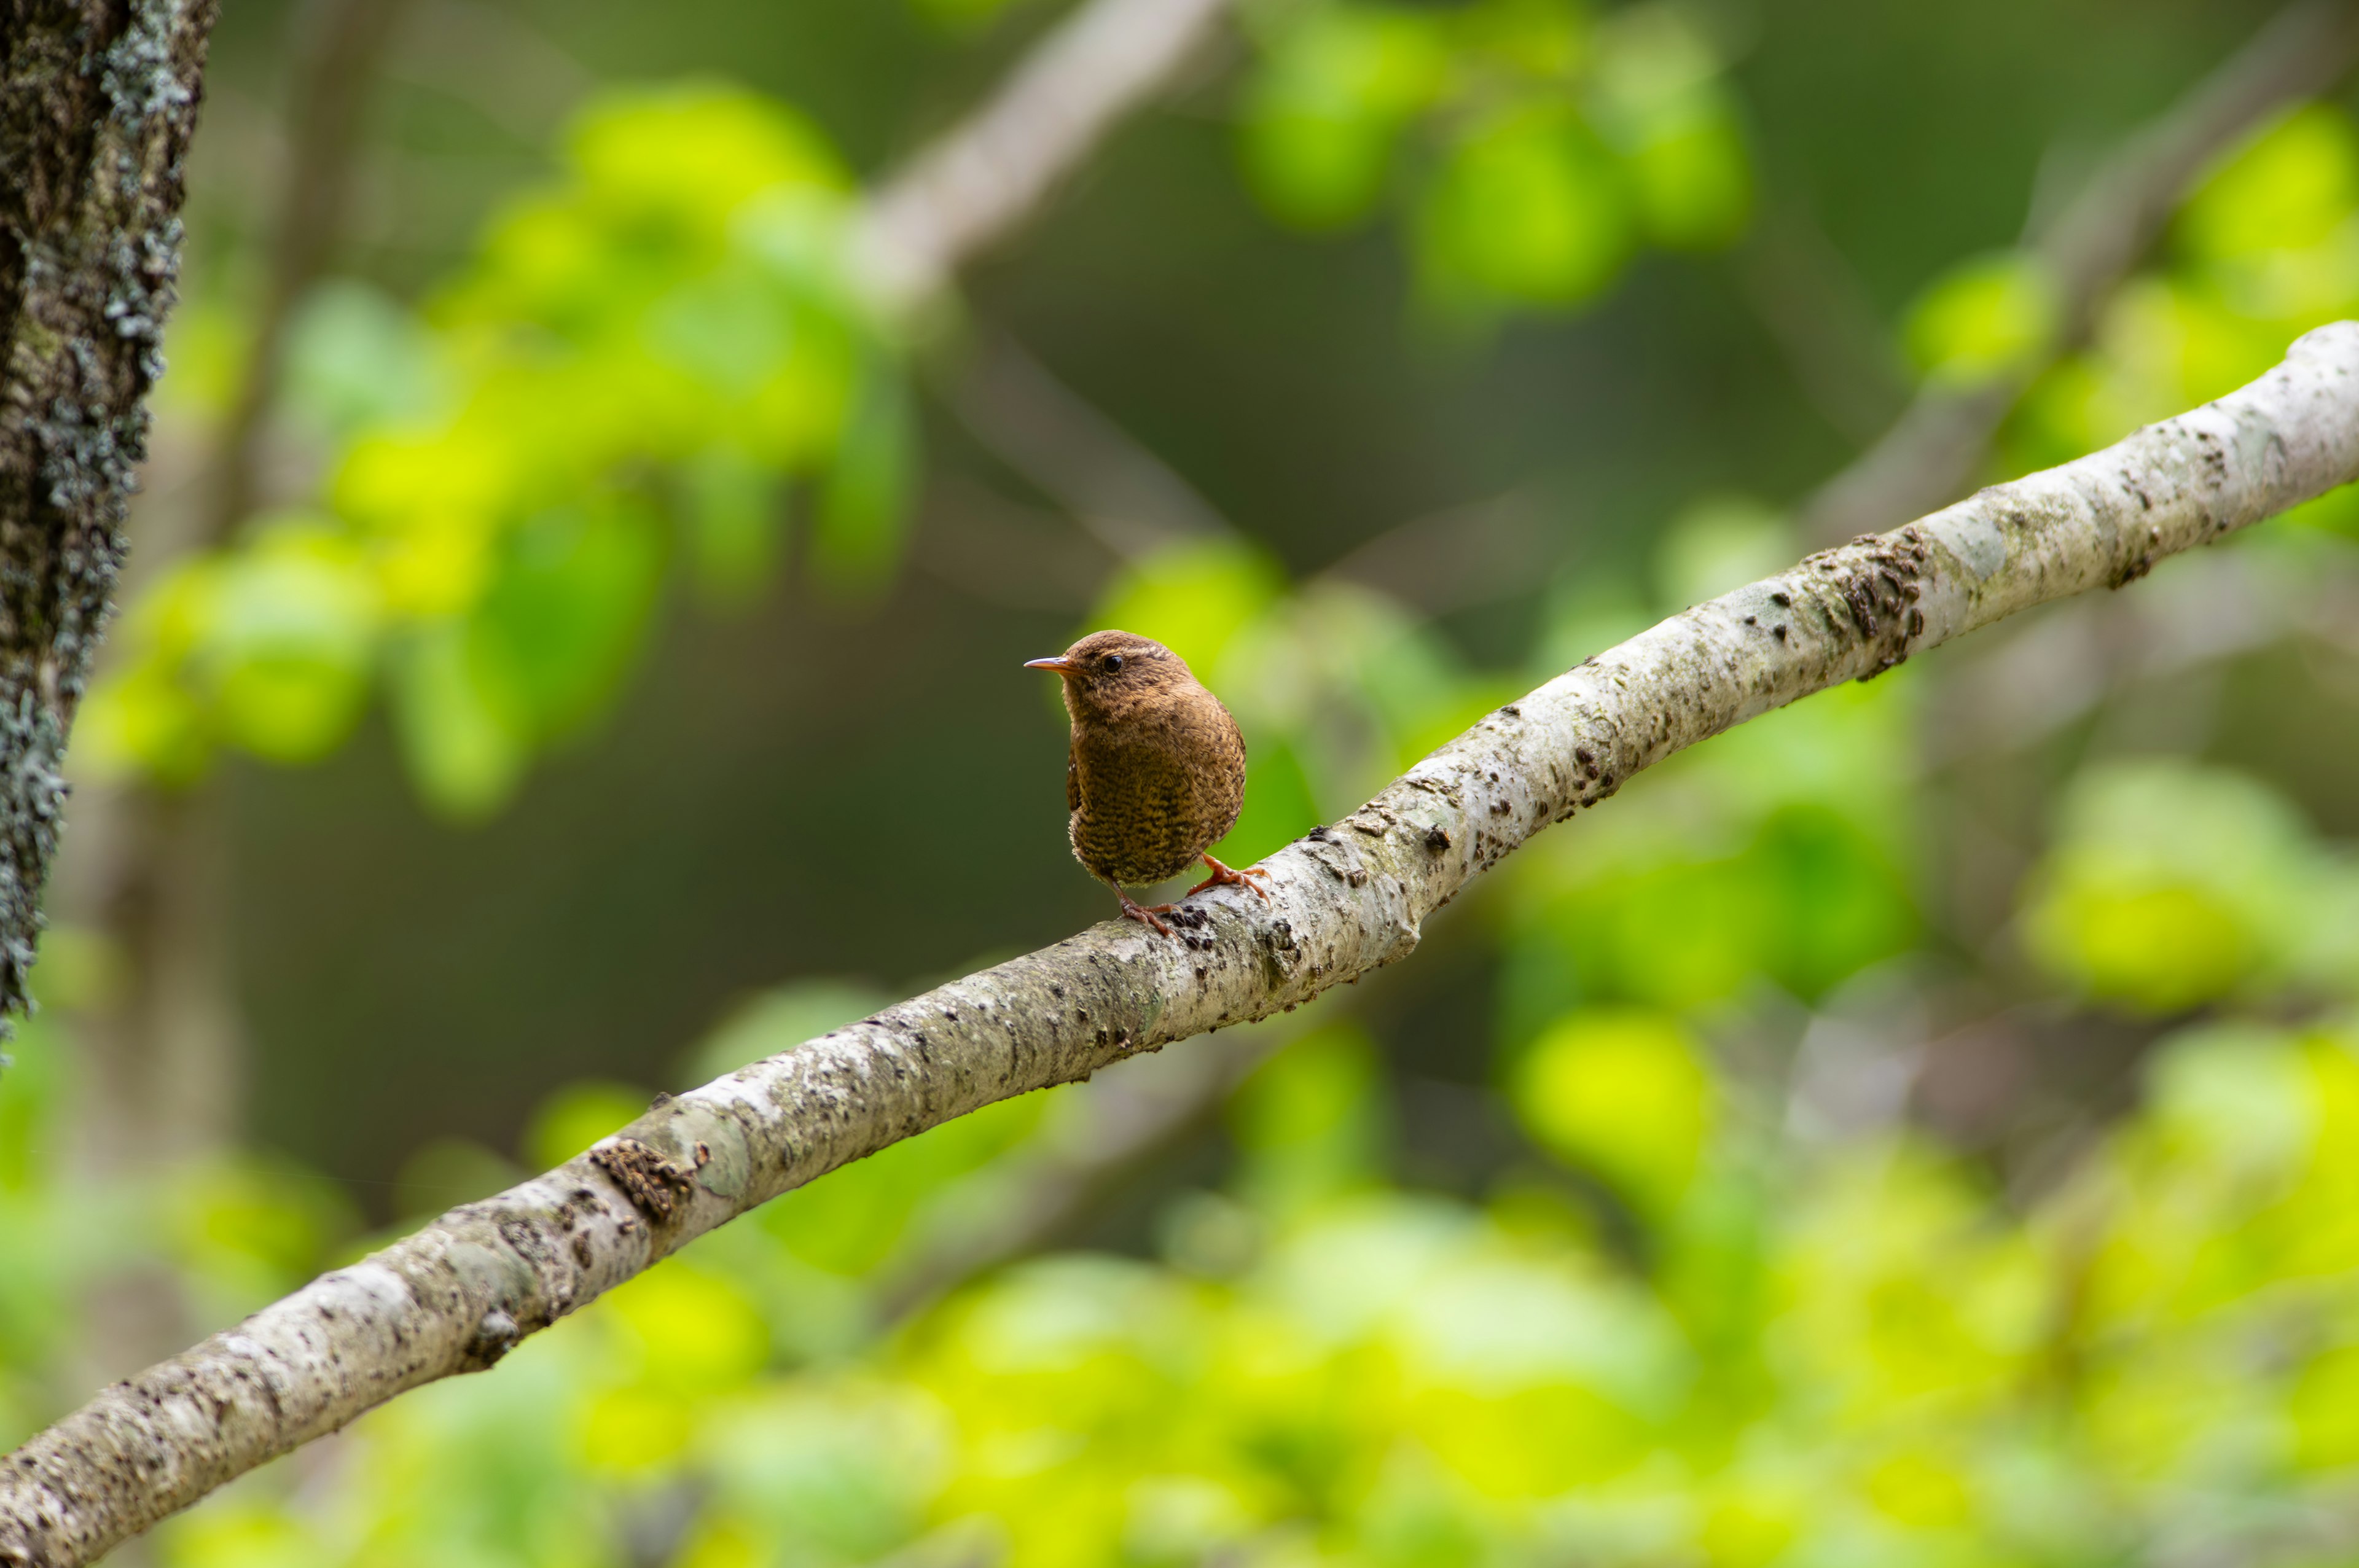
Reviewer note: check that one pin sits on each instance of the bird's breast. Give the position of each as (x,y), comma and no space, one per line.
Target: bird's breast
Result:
(1153,793)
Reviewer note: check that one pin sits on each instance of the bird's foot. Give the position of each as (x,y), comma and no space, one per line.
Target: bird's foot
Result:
(1145,914)
(1227,876)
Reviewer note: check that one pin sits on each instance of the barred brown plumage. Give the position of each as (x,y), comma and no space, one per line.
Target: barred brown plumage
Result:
(1156,773)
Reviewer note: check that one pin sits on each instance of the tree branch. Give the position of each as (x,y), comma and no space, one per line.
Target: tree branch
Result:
(987,176)
(457,1295)
(1930,454)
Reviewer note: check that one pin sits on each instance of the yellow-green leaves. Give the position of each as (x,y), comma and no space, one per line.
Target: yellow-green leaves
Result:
(655,177)
(1528,208)
(2170,886)
(965,16)
(1310,1123)
(535,658)
(1983,317)
(642,360)
(1324,114)
(1776,853)
(271,650)
(1536,148)
(1624,1094)
(2290,188)
(1660,100)
(2266,248)
(356,358)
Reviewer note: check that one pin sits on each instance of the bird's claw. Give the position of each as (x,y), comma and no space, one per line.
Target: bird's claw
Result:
(1145,913)
(1227,876)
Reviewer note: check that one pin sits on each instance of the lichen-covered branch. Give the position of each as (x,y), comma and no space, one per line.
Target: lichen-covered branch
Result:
(97,101)
(1348,899)
(1933,450)
(988,175)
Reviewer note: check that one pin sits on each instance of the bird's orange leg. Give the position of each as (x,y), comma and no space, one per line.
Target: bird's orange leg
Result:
(1145,914)
(1224,876)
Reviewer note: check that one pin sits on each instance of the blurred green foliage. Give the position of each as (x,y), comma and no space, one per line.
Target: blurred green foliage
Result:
(1534,146)
(2179,887)
(1673,1332)
(2264,249)
(643,364)
(640,364)
(1686,1322)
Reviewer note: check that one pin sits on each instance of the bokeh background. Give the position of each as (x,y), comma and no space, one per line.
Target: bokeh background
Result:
(570,649)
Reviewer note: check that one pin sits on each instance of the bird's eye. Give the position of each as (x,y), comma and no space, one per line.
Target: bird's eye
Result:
(1113,662)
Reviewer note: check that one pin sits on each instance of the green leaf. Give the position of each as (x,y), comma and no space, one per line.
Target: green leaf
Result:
(1326,111)
(1660,100)
(2170,885)
(2288,187)
(1983,317)
(561,621)
(461,750)
(1310,1121)
(963,16)
(1693,178)
(291,642)
(1529,209)
(694,152)
(1834,900)
(1624,1094)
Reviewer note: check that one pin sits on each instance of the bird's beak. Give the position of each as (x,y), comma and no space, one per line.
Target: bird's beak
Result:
(1061,664)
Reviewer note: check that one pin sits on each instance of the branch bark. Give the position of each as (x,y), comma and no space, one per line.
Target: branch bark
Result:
(1929,455)
(97,101)
(459,1294)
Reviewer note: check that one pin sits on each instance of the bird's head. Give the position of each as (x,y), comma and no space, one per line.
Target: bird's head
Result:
(1109,673)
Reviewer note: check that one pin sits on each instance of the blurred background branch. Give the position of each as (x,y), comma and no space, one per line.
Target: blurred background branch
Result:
(1126,496)
(336,53)
(984,178)
(1942,439)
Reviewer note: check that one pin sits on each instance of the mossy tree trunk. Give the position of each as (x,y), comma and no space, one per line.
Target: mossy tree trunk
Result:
(97,101)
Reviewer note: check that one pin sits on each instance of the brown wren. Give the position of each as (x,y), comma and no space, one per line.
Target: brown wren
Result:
(1157,769)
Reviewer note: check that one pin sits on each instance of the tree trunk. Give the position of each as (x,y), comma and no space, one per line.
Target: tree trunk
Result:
(97,101)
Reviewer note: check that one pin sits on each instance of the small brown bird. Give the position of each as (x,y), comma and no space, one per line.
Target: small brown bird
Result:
(1157,769)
